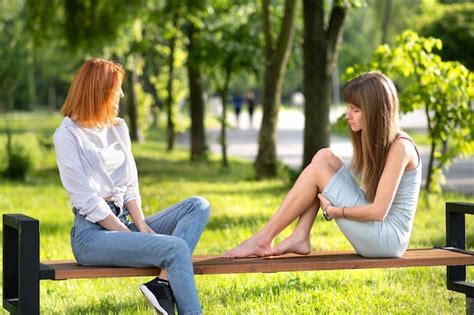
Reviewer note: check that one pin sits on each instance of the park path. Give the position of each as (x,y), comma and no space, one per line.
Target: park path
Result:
(243,142)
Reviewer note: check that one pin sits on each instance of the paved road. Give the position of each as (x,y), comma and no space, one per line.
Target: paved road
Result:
(242,142)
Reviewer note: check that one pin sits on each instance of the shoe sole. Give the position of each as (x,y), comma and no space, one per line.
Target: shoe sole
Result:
(152,299)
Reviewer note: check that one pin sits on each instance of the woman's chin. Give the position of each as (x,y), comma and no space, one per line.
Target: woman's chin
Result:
(354,128)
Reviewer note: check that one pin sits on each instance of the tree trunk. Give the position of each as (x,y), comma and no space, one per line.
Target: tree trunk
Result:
(386,20)
(149,87)
(31,86)
(198,136)
(433,145)
(276,59)
(266,162)
(430,166)
(170,126)
(224,92)
(320,55)
(135,134)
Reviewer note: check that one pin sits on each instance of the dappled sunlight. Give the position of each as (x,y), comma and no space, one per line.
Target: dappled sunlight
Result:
(240,207)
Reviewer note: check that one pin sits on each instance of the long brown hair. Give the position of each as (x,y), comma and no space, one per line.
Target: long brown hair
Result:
(376,96)
(90,100)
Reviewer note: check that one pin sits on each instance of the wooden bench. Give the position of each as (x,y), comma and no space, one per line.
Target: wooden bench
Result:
(22,269)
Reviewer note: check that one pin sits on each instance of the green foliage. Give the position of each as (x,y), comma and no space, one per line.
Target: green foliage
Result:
(454,25)
(18,161)
(160,78)
(15,45)
(445,91)
(86,25)
(363,31)
(144,102)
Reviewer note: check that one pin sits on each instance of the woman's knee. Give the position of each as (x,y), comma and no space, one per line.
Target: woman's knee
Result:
(322,155)
(326,156)
(177,250)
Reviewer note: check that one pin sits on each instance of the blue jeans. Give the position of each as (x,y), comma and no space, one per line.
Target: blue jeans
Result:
(178,230)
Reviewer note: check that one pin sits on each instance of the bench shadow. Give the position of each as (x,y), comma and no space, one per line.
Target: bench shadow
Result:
(441,241)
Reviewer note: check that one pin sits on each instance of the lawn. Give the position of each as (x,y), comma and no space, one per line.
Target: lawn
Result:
(240,206)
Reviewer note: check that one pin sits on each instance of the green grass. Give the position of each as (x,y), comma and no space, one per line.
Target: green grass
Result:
(240,206)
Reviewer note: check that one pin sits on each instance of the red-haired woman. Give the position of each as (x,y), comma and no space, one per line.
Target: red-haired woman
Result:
(98,170)
(377,219)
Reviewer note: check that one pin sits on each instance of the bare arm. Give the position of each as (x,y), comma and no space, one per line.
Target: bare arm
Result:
(137,216)
(112,223)
(400,155)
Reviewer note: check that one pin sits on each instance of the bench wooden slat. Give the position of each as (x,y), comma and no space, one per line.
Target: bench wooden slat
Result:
(329,260)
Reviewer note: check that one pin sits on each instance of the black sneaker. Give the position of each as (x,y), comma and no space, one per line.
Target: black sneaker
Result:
(158,293)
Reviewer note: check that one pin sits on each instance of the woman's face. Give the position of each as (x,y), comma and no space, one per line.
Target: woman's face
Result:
(119,95)
(355,118)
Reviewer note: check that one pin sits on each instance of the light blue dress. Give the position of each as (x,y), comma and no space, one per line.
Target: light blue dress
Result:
(388,238)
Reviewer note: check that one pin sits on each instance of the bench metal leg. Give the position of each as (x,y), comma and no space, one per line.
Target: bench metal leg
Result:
(456,238)
(21,264)
(469,305)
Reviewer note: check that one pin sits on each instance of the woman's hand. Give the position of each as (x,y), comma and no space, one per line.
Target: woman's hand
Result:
(112,223)
(144,227)
(325,205)
(324,202)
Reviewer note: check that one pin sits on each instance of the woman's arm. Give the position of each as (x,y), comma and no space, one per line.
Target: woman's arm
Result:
(400,155)
(132,198)
(112,223)
(82,194)
(138,218)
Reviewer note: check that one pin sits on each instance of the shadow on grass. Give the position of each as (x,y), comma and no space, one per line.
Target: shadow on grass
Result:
(225,221)
(38,177)
(250,191)
(208,171)
(108,306)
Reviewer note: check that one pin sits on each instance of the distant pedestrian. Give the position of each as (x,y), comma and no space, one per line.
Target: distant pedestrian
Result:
(250,99)
(237,102)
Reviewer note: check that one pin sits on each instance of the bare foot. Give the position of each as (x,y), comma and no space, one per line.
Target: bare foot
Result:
(293,244)
(250,247)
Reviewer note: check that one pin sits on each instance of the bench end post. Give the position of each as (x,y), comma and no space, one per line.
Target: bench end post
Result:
(456,237)
(20,264)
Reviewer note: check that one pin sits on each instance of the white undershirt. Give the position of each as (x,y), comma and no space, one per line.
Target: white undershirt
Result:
(108,148)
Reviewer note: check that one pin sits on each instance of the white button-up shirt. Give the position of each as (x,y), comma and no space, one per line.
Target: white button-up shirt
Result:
(84,158)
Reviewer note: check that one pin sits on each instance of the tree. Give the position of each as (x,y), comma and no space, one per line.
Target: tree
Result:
(170,99)
(238,25)
(92,27)
(276,58)
(374,23)
(444,90)
(170,19)
(197,110)
(321,51)
(454,25)
(195,15)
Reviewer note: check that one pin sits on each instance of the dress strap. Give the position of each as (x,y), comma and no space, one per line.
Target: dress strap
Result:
(402,136)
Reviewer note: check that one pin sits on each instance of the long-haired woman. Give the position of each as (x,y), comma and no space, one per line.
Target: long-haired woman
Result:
(376,218)
(98,170)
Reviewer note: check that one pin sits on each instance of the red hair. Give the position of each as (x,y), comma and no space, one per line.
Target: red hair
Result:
(91,97)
